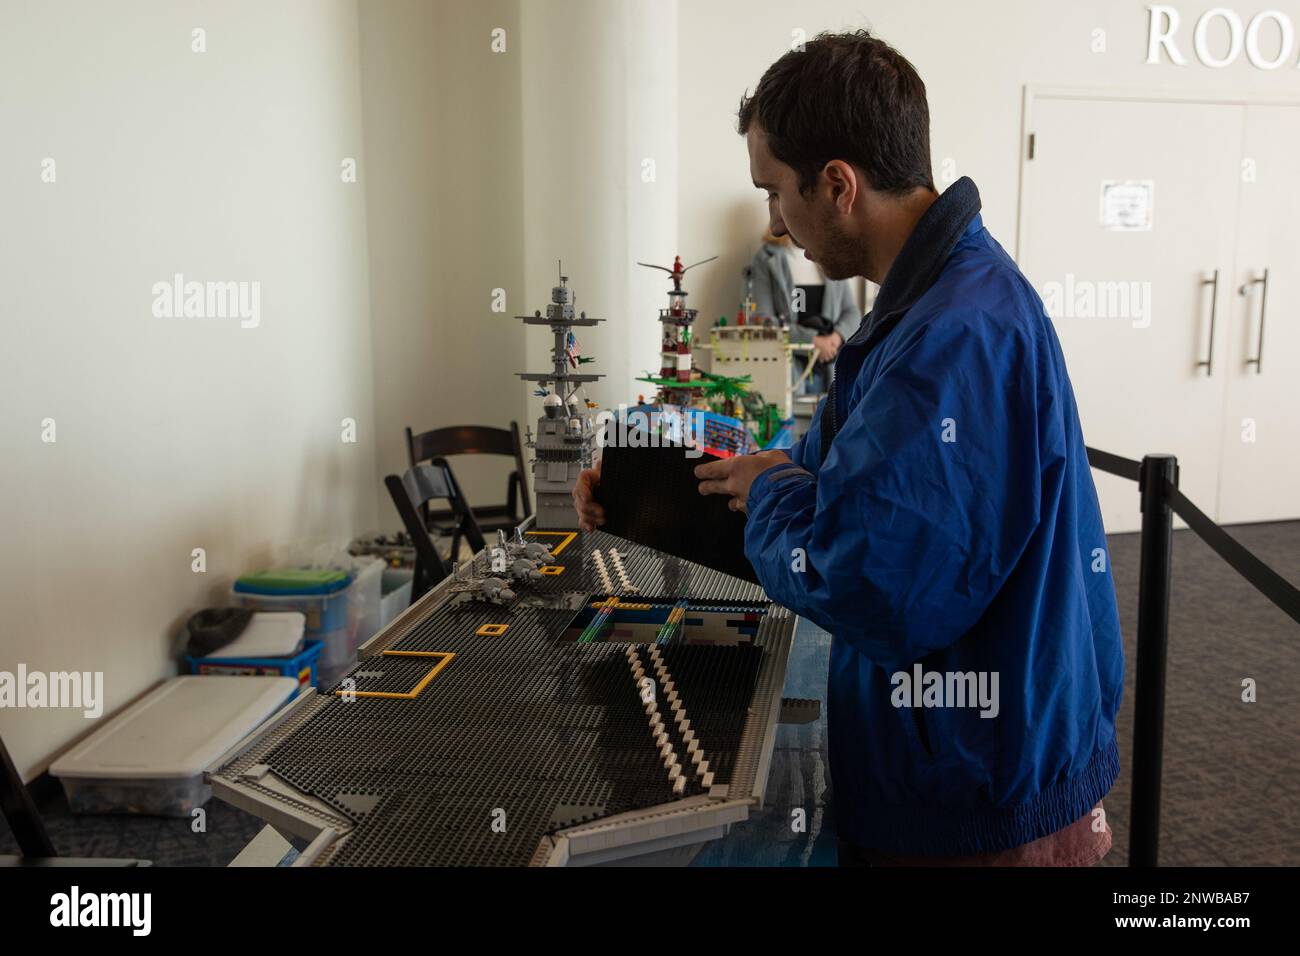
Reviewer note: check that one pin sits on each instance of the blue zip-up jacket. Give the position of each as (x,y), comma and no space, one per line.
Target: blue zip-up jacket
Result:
(941,511)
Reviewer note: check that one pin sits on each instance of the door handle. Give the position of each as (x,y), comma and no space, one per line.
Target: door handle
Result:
(1207,363)
(1258,360)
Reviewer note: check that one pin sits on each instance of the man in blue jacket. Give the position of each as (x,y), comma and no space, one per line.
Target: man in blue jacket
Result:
(939,518)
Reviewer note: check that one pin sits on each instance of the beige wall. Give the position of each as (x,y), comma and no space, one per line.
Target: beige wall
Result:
(172,434)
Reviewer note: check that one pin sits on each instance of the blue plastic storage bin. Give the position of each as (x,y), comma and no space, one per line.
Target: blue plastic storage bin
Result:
(301,666)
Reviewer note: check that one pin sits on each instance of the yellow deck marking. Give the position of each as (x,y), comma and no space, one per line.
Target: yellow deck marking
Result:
(615,602)
(414,691)
(568,536)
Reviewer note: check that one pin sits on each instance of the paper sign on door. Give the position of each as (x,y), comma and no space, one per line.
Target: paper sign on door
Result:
(1126,206)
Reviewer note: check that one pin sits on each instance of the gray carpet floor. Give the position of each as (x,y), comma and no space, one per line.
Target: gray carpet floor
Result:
(1231,793)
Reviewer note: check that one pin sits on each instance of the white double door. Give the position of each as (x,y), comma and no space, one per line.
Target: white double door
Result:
(1149,226)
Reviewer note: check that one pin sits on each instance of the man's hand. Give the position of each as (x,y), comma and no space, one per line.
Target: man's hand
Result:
(827,346)
(733,476)
(590,513)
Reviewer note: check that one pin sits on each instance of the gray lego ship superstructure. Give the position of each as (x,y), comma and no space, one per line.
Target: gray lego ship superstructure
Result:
(566,434)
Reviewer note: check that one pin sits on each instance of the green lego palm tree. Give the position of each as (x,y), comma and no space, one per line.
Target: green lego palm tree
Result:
(726,393)
(767,421)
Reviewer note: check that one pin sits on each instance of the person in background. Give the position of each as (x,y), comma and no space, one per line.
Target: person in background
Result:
(829,315)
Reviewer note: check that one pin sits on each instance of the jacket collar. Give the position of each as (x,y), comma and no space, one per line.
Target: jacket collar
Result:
(925,252)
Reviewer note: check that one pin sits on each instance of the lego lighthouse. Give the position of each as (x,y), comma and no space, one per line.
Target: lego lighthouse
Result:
(566,434)
(682,411)
(676,386)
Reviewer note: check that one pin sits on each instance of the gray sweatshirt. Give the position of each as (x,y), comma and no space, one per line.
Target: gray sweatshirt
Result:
(774,288)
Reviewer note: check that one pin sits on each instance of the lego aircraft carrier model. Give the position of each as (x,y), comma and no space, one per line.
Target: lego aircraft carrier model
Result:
(723,415)
(566,698)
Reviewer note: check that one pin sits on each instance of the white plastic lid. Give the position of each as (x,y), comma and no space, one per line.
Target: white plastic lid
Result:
(268,634)
(178,729)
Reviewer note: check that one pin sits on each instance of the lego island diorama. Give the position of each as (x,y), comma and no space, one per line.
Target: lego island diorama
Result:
(564,697)
(723,415)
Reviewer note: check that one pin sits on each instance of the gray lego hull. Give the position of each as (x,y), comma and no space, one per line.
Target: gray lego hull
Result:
(554,511)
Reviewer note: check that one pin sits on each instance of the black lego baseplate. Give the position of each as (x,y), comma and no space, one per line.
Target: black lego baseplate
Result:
(651,496)
(475,746)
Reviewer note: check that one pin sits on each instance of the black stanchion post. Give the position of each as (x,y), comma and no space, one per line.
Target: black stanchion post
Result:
(20,810)
(1152,643)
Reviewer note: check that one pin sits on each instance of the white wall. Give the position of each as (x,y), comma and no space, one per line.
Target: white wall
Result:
(975,59)
(487,166)
(600,101)
(444,187)
(172,434)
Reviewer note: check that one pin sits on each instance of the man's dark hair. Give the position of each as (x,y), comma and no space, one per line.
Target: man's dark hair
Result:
(846,96)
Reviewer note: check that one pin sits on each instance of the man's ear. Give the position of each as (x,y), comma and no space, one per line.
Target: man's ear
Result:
(844,184)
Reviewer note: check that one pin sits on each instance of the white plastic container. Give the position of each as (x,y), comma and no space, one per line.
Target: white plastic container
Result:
(367,598)
(150,758)
(397,583)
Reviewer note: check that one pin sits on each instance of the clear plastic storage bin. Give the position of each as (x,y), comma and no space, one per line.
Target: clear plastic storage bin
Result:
(342,621)
(150,758)
(397,584)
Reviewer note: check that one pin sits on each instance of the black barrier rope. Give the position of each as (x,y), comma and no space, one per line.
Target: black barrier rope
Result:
(1114,464)
(1157,478)
(1260,576)
(1263,578)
